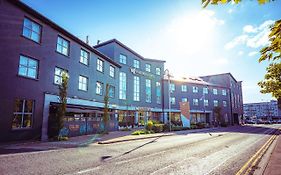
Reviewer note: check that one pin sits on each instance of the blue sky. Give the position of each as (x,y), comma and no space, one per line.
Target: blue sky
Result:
(193,41)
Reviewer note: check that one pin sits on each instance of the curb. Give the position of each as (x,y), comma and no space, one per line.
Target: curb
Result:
(133,139)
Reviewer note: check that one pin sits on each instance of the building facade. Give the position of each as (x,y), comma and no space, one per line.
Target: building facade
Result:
(263,110)
(35,52)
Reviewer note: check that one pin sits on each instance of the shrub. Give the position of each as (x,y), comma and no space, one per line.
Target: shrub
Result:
(193,126)
(200,125)
(179,128)
(224,124)
(149,125)
(125,129)
(139,132)
(158,128)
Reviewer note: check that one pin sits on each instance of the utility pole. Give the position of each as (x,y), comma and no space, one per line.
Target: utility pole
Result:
(169,97)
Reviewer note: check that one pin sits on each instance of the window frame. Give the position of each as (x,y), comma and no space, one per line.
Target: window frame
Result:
(183,89)
(100,89)
(35,22)
(195,102)
(87,83)
(22,113)
(147,67)
(68,49)
(134,64)
(124,57)
(136,95)
(100,66)
(27,67)
(195,89)
(88,59)
(110,71)
(60,76)
(148,94)
(158,71)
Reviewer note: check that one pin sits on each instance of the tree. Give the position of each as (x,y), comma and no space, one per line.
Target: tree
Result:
(272,81)
(205,3)
(63,101)
(218,115)
(105,110)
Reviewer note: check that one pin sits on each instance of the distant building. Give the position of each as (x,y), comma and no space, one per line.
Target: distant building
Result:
(262,110)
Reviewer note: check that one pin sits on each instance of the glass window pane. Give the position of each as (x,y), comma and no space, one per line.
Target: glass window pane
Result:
(27,120)
(64,51)
(23,60)
(32,73)
(27,23)
(17,121)
(35,37)
(18,105)
(32,64)
(35,27)
(28,107)
(26,32)
(59,40)
(22,70)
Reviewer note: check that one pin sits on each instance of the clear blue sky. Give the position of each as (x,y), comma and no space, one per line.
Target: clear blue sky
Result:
(194,42)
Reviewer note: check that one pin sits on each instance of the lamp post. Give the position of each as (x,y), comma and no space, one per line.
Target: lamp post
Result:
(169,96)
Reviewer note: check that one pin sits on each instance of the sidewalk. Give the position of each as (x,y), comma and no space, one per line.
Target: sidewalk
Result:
(274,163)
(87,140)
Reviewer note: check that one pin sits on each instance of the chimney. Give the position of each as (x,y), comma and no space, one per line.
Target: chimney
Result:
(98,42)
(87,39)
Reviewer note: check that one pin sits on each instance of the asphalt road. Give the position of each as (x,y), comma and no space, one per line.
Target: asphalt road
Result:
(224,151)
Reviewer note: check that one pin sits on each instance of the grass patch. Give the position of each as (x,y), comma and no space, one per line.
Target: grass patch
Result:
(142,132)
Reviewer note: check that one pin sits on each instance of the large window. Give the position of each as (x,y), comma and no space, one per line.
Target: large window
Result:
(173,100)
(195,102)
(216,103)
(99,88)
(206,102)
(62,46)
(223,92)
(195,89)
(111,71)
(147,67)
(136,64)
(23,114)
(100,65)
(172,87)
(224,103)
(215,91)
(111,91)
(58,75)
(31,30)
(122,86)
(136,88)
(123,59)
(83,83)
(148,90)
(28,67)
(183,88)
(205,90)
(158,92)
(158,71)
(84,57)
(184,99)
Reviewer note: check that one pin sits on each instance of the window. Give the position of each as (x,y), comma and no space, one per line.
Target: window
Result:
(158,92)
(31,30)
(215,91)
(99,65)
(205,90)
(83,83)
(184,99)
(111,71)
(23,114)
(216,103)
(122,85)
(28,67)
(58,75)
(84,57)
(172,87)
(224,103)
(158,71)
(63,46)
(173,100)
(136,64)
(136,88)
(195,89)
(195,102)
(223,92)
(123,59)
(206,102)
(111,91)
(183,88)
(99,88)
(148,90)
(147,67)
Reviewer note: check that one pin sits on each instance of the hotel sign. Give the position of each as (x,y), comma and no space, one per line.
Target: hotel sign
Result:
(138,72)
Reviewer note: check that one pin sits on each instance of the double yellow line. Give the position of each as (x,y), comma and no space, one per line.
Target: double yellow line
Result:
(252,162)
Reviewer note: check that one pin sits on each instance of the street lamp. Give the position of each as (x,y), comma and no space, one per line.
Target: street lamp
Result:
(167,72)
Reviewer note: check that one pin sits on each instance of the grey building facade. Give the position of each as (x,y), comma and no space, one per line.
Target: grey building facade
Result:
(263,110)
(35,52)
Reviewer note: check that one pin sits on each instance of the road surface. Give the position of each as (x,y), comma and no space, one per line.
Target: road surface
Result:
(223,151)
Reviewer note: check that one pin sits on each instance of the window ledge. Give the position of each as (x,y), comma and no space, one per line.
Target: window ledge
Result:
(22,76)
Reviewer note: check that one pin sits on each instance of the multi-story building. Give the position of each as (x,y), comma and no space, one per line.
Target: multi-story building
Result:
(263,110)
(35,52)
